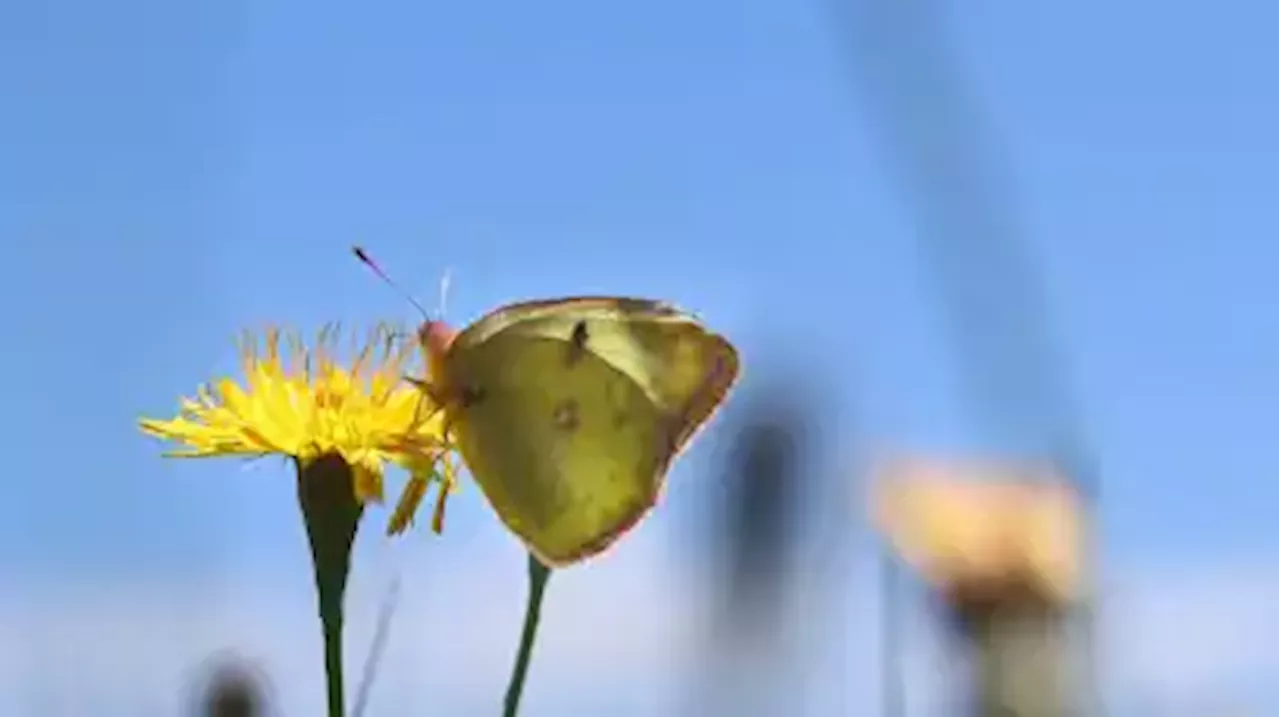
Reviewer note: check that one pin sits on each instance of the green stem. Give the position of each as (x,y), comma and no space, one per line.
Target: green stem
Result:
(332,514)
(331,624)
(538,576)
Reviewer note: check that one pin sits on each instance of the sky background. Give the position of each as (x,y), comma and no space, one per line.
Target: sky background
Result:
(172,173)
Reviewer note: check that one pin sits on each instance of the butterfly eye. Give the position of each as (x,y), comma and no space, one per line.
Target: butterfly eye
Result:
(424,332)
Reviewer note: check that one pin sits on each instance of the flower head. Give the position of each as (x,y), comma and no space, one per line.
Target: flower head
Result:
(303,403)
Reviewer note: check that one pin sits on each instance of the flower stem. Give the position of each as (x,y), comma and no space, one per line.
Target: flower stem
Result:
(331,624)
(332,514)
(538,576)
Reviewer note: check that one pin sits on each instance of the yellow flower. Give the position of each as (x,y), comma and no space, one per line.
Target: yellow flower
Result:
(304,404)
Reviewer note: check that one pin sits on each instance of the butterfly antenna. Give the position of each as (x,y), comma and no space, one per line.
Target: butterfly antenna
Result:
(365,259)
(444,290)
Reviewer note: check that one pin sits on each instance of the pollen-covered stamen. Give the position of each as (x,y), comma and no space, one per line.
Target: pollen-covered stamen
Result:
(329,400)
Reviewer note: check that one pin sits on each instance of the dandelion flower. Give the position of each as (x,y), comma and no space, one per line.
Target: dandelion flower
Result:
(304,404)
(341,424)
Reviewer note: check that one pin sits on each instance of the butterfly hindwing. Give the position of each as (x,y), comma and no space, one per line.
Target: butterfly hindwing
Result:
(565,456)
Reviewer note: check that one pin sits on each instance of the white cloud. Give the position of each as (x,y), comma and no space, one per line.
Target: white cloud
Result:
(618,636)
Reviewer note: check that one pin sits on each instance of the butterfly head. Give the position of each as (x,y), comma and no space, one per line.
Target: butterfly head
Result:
(436,337)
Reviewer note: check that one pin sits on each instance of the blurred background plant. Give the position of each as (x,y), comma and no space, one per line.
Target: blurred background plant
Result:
(232,687)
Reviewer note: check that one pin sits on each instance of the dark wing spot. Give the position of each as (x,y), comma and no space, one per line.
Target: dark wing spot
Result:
(470,396)
(577,343)
(565,416)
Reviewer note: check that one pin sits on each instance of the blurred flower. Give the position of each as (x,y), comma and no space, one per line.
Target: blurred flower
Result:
(304,404)
(232,687)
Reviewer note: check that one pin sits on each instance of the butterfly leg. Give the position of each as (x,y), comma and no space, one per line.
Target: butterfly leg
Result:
(446,487)
(438,401)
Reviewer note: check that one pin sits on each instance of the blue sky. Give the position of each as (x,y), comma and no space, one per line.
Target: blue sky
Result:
(174,172)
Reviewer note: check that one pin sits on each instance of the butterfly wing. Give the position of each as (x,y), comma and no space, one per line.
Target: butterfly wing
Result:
(574,410)
(682,366)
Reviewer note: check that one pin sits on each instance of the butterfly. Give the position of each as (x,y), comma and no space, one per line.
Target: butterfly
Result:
(569,412)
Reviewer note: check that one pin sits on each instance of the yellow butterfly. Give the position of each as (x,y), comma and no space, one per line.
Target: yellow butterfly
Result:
(569,412)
